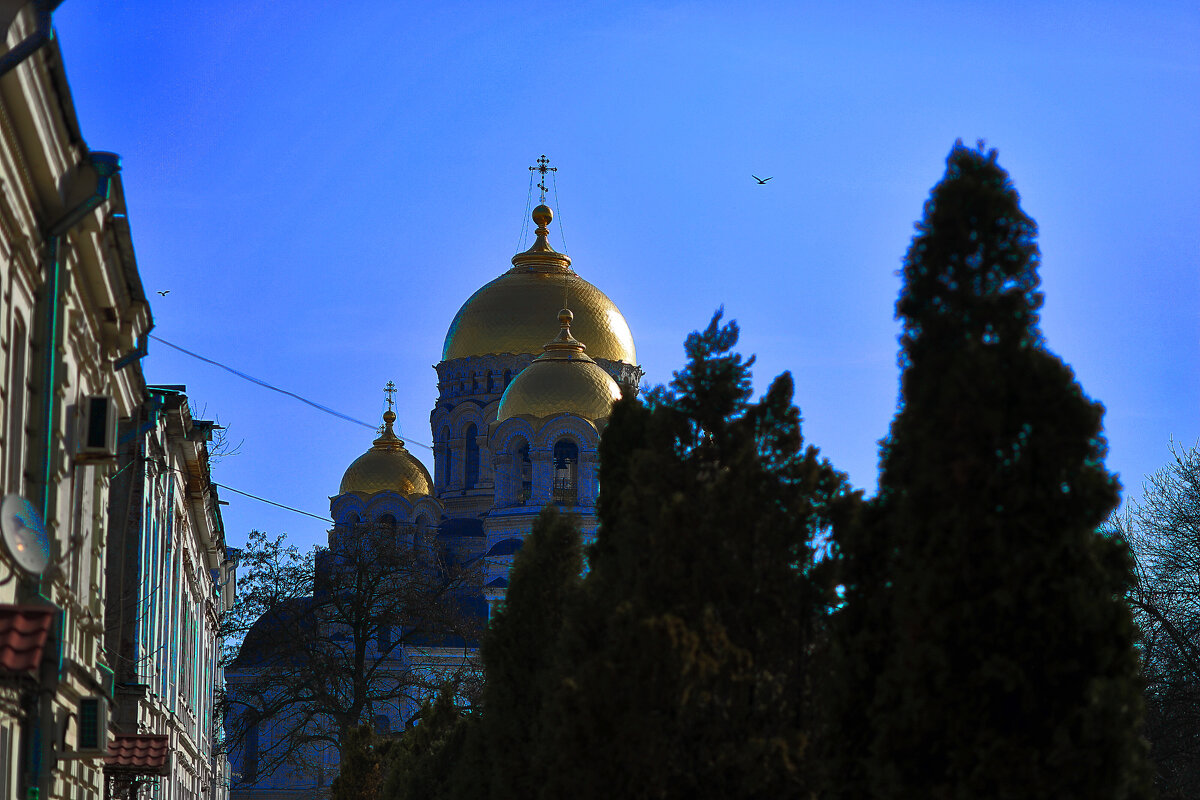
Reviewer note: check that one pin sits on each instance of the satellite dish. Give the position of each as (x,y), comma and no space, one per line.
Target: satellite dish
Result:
(24,534)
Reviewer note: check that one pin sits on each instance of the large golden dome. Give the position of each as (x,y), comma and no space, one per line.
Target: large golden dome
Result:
(563,380)
(387,467)
(508,314)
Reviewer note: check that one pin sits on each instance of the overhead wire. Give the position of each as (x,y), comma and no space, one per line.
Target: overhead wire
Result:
(164,467)
(274,388)
(271,502)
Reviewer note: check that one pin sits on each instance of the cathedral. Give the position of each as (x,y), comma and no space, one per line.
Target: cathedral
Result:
(530,368)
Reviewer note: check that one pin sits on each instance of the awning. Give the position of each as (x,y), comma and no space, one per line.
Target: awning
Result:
(138,754)
(23,634)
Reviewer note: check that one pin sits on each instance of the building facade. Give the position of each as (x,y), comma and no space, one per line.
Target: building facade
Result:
(170,583)
(74,321)
(531,366)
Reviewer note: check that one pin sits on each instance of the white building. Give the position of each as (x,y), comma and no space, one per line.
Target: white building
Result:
(72,312)
(170,583)
(73,325)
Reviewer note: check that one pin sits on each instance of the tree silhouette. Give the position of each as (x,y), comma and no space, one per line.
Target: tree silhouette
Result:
(984,634)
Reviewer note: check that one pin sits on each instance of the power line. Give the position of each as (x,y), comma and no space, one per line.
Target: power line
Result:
(271,502)
(164,467)
(274,388)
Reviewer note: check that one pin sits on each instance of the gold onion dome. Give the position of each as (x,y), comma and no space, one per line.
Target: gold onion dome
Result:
(387,467)
(563,380)
(508,314)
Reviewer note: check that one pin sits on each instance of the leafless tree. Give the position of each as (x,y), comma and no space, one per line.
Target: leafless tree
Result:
(325,641)
(1163,531)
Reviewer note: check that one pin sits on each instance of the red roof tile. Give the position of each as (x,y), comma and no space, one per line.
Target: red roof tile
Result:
(23,634)
(142,754)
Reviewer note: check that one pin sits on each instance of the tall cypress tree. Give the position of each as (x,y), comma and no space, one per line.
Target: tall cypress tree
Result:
(490,753)
(518,655)
(684,668)
(978,584)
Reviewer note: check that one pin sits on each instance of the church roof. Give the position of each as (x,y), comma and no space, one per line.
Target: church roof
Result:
(563,380)
(270,637)
(387,467)
(506,548)
(505,315)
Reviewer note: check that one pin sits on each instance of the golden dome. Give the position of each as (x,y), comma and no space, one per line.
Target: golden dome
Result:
(563,380)
(508,314)
(387,467)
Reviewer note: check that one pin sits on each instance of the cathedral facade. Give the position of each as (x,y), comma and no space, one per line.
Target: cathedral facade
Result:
(531,366)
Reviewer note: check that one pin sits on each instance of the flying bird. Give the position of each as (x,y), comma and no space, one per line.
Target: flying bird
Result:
(164,292)
(761,180)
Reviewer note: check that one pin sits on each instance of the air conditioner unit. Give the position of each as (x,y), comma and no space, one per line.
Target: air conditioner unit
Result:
(98,440)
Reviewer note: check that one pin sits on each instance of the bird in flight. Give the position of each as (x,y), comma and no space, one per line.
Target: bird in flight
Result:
(164,292)
(761,180)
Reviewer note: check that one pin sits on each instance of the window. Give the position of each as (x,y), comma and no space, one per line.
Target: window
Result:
(566,473)
(385,638)
(471,455)
(16,407)
(524,471)
(448,473)
(250,755)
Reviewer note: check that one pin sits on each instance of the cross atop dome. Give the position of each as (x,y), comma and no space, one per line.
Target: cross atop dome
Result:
(543,166)
(390,391)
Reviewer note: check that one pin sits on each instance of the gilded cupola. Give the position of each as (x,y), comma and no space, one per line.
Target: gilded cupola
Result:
(387,467)
(508,314)
(563,380)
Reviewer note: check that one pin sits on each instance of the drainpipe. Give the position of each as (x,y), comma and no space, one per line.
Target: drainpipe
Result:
(106,165)
(41,34)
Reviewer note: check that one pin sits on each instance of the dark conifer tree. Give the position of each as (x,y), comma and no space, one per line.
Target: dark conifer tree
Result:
(360,771)
(977,584)
(433,760)
(684,669)
(518,655)
(488,753)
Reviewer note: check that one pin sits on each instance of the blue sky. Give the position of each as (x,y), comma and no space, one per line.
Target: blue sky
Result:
(320,186)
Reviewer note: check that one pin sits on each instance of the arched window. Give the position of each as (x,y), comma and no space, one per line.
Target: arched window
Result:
(507,377)
(566,472)
(523,473)
(471,454)
(387,522)
(448,471)
(250,755)
(491,382)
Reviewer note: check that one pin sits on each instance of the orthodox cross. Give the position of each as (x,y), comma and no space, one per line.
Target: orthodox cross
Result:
(389,390)
(543,166)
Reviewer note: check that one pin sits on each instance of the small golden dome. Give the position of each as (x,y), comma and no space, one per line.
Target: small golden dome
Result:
(508,314)
(563,380)
(387,467)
